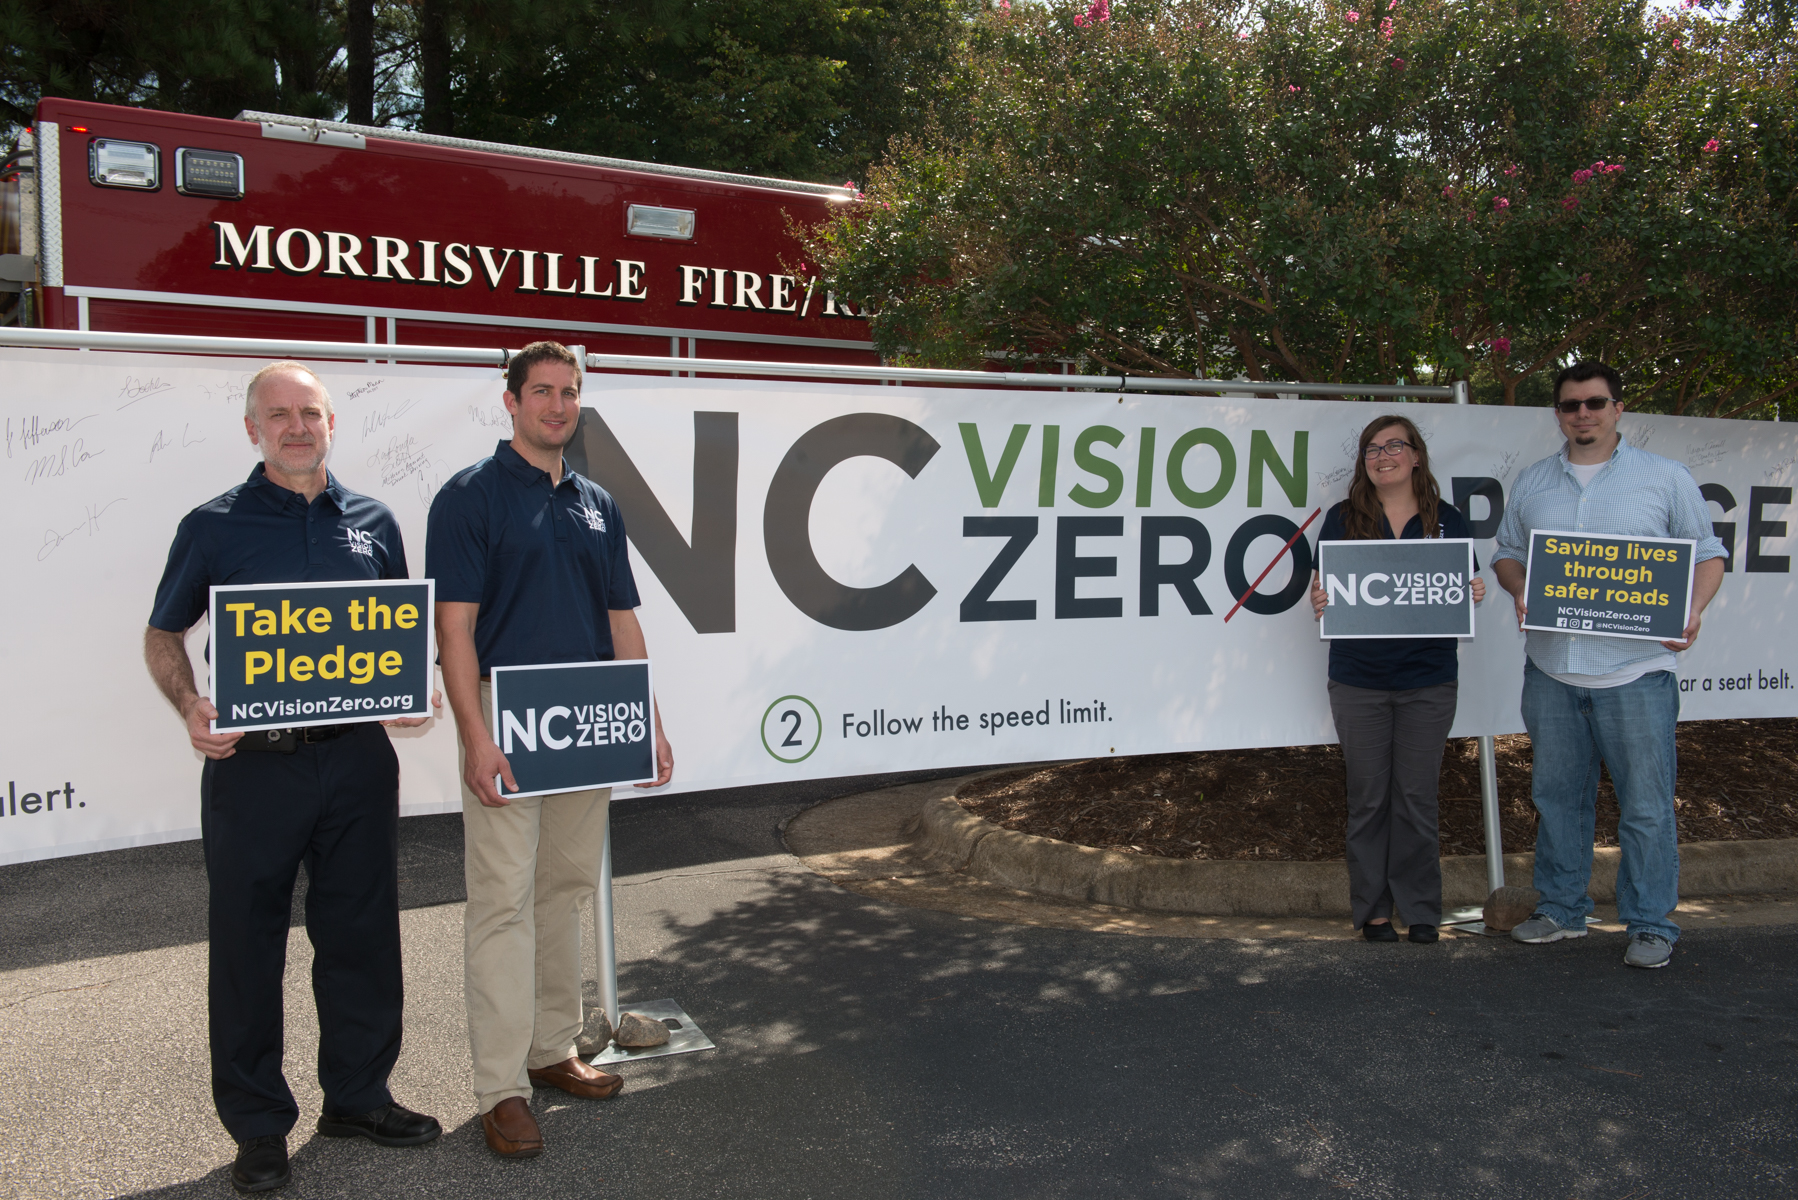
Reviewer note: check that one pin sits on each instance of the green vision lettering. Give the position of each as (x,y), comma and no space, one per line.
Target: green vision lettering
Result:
(1045,484)
(1145,468)
(1262,454)
(1092,464)
(991,484)
(1176,468)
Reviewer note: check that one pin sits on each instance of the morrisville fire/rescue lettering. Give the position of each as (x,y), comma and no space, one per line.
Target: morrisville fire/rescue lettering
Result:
(338,255)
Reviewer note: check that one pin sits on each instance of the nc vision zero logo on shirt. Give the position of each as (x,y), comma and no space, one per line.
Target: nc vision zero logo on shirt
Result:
(361,542)
(595,519)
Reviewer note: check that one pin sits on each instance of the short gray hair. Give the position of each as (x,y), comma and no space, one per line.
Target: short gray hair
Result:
(249,392)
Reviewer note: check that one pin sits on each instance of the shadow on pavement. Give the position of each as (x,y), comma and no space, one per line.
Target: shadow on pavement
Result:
(152,897)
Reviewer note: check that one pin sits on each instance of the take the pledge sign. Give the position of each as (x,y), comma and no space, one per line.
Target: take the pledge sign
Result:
(293,654)
(567,727)
(1610,586)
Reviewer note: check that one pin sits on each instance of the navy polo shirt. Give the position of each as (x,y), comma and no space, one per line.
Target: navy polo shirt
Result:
(1396,664)
(259,532)
(545,563)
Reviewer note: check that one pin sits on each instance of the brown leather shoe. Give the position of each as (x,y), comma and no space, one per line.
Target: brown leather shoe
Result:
(577,1079)
(511,1129)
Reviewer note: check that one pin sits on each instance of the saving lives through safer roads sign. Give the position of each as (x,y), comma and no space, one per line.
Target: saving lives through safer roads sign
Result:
(292,654)
(1612,586)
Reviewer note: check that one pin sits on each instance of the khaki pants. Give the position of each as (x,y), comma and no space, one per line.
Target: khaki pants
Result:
(530,866)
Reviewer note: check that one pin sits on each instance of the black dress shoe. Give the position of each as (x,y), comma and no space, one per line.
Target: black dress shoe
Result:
(1424,933)
(390,1125)
(261,1164)
(1383,932)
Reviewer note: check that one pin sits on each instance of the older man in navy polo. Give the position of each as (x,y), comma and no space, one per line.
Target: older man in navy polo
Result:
(325,795)
(531,568)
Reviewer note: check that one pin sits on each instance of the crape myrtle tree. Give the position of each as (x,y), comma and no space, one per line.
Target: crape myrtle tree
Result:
(1324,192)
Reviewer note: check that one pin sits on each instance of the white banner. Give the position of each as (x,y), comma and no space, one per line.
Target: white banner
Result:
(837,579)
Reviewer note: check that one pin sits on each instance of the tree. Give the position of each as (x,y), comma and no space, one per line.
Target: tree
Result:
(214,57)
(1314,192)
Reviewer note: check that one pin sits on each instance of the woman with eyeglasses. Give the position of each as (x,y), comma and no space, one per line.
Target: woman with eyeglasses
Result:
(1393,698)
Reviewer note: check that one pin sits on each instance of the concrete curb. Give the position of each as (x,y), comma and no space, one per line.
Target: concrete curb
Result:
(954,835)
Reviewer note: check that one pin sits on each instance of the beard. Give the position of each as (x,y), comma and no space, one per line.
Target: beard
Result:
(285,457)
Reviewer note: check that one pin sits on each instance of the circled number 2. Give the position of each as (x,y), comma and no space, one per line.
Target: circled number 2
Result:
(791,729)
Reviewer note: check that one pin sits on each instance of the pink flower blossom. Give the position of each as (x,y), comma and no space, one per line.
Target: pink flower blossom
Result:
(1677,43)
(1005,5)
(1586,278)
(1243,36)
(1398,64)
(1712,146)
(1391,5)
(1501,346)
(1100,11)
(1582,176)
(1570,202)
(1448,190)
(1613,168)
(1351,16)
(1292,87)
(1499,204)
(1511,171)
(1386,29)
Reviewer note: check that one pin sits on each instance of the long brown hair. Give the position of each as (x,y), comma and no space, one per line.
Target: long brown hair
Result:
(1362,513)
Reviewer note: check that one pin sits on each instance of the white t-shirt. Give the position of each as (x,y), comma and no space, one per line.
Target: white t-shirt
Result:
(1587,472)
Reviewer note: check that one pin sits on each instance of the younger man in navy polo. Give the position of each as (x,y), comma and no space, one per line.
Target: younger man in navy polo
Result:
(326,794)
(531,568)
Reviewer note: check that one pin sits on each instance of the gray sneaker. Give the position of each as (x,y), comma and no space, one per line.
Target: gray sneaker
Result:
(1647,950)
(1542,928)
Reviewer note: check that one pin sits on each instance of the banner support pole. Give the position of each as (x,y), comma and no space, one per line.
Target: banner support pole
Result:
(605,946)
(1495,848)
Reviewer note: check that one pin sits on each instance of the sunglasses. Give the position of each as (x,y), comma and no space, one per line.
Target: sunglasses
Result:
(1593,404)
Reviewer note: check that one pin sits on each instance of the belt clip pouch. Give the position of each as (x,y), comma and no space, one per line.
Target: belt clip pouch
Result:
(271,741)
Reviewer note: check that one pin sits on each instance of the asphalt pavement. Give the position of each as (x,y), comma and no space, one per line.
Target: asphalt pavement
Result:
(867,1050)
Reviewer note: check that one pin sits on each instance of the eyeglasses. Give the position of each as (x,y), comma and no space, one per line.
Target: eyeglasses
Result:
(1593,404)
(1395,448)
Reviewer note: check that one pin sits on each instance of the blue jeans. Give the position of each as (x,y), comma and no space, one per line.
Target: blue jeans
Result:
(1630,729)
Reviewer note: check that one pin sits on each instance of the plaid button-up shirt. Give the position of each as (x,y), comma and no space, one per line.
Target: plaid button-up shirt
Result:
(1636,494)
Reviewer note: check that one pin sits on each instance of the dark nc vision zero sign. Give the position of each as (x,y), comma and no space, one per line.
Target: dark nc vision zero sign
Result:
(1416,588)
(567,727)
(292,654)
(1609,585)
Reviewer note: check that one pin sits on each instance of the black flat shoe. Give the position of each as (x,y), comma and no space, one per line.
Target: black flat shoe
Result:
(1383,932)
(393,1125)
(261,1165)
(1424,933)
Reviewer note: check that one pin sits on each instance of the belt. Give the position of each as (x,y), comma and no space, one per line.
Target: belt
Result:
(287,741)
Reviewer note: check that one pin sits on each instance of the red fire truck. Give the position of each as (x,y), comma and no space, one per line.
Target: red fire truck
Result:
(132,220)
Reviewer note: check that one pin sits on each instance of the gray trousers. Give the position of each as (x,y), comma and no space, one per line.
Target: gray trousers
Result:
(1392,744)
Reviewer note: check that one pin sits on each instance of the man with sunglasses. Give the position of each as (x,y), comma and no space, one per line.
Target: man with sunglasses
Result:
(1590,699)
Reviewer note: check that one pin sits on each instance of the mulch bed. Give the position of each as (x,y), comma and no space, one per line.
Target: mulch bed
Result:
(1737,780)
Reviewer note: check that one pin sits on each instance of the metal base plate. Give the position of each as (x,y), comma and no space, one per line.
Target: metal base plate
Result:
(1467,920)
(683,1035)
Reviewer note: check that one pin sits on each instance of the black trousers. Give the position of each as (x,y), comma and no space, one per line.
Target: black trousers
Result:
(1392,744)
(334,806)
